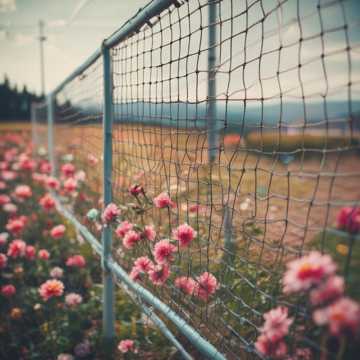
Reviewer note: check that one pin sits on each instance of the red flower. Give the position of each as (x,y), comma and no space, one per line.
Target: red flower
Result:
(15,226)
(123,228)
(17,248)
(47,202)
(185,284)
(143,264)
(159,274)
(43,254)
(76,261)
(58,231)
(110,213)
(23,192)
(127,346)
(3,260)
(348,219)
(70,185)
(163,251)
(51,288)
(185,234)
(149,233)
(136,189)
(68,170)
(8,290)
(130,239)
(206,286)
(52,183)
(163,200)
(30,252)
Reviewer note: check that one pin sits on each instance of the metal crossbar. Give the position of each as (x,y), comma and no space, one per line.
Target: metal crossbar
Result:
(247,113)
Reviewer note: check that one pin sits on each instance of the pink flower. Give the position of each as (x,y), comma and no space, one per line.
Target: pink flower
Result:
(130,239)
(52,183)
(328,291)
(307,271)
(58,231)
(135,274)
(70,185)
(8,175)
(110,213)
(68,170)
(17,248)
(274,350)
(57,272)
(149,233)
(344,317)
(45,167)
(10,208)
(76,261)
(43,254)
(206,286)
(93,160)
(15,226)
(4,199)
(123,228)
(163,200)
(159,274)
(348,219)
(276,324)
(51,288)
(185,284)
(127,346)
(8,290)
(143,264)
(23,192)
(73,300)
(135,189)
(30,252)
(184,234)
(3,261)
(47,202)
(163,251)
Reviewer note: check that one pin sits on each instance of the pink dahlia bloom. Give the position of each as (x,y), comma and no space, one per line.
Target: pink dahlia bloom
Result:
(163,251)
(10,208)
(130,239)
(30,252)
(43,254)
(185,284)
(8,290)
(76,261)
(73,300)
(344,317)
(149,233)
(47,202)
(110,213)
(52,183)
(307,271)
(4,199)
(8,175)
(3,261)
(123,228)
(143,264)
(277,323)
(348,219)
(135,274)
(58,231)
(70,185)
(163,200)
(329,291)
(159,274)
(127,346)
(45,167)
(268,348)
(68,170)
(17,248)
(51,288)
(15,226)
(206,286)
(135,189)
(185,234)
(23,192)
(57,272)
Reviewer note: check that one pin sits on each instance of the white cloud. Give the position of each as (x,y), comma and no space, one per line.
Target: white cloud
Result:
(7,6)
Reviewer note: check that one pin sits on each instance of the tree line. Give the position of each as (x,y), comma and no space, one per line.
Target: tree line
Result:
(15,104)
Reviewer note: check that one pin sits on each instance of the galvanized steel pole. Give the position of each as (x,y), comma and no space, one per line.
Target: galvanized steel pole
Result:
(211,101)
(108,289)
(50,124)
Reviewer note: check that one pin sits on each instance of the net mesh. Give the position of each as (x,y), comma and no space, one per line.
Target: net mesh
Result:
(286,158)
(39,127)
(287,150)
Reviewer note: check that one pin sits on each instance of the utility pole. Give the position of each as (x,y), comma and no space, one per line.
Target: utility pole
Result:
(42,38)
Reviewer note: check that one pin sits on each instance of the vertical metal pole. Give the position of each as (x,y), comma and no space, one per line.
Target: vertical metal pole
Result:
(33,130)
(211,105)
(50,125)
(108,289)
(42,38)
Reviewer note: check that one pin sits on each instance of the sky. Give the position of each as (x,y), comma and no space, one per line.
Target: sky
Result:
(74,29)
